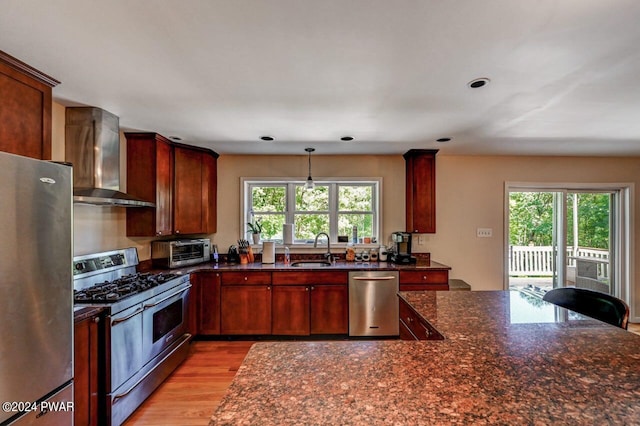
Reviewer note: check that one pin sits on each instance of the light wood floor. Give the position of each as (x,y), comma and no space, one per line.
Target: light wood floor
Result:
(191,394)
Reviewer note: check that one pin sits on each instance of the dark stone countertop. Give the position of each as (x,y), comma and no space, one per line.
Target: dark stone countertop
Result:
(506,359)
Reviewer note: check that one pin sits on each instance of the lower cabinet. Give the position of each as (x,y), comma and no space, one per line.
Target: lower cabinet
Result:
(204,303)
(414,327)
(424,280)
(87,370)
(307,303)
(290,310)
(245,303)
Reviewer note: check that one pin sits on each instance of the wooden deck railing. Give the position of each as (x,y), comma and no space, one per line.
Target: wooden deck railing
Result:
(538,260)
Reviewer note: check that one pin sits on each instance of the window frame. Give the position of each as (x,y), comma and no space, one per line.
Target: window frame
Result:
(290,184)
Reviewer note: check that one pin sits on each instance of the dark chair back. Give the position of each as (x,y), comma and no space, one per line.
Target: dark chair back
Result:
(594,304)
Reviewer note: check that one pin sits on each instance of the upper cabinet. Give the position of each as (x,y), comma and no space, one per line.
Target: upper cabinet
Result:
(181,181)
(25,109)
(421,190)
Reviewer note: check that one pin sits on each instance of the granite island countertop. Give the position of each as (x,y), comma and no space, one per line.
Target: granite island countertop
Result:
(505,359)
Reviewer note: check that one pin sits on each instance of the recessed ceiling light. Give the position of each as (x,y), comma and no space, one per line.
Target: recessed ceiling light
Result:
(175,138)
(266,138)
(478,83)
(346,138)
(443,140)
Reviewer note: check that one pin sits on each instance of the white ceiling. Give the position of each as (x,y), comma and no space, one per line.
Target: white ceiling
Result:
(391,73)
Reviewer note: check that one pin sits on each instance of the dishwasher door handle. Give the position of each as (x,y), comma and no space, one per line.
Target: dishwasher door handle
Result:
(374,278)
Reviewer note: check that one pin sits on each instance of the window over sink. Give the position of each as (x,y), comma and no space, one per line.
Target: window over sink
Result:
(334,207)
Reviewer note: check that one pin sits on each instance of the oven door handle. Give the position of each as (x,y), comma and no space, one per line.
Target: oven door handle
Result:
(182,290)
(123,319)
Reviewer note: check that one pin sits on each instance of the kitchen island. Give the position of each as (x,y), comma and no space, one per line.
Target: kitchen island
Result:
(506,359)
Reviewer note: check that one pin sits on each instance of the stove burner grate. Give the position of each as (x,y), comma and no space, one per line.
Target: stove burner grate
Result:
(128,285)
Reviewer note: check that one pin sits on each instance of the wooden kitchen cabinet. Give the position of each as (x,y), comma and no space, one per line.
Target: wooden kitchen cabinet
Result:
(87,365)
(25,109)
(204,303)
(431,279)
(290,310)
(245,303)
(181,180)
(413,326)
(310,302)
(421,190)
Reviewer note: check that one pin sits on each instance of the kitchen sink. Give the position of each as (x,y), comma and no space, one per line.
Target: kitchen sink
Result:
(311,264)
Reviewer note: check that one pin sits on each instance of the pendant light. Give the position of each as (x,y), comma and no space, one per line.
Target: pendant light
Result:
(309,185)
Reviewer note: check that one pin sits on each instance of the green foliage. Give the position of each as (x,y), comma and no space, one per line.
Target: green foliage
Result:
(355,202)
(255,227)
(531,219)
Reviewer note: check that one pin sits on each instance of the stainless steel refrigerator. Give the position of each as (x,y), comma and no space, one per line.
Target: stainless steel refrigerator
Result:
(36,292)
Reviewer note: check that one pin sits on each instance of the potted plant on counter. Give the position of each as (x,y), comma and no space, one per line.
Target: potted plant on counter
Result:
(255,229)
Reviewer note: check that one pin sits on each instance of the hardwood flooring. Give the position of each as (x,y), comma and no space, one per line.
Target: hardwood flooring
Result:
(191,394)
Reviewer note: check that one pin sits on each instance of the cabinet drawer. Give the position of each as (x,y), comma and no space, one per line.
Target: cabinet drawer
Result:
(424,277)
(423,287)
(235,278)
(319,277)
(417,325)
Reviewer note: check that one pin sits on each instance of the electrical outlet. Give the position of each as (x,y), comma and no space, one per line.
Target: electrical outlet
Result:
(484,232)
(421,240)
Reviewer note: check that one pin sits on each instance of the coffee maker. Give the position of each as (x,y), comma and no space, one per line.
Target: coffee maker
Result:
(402,248)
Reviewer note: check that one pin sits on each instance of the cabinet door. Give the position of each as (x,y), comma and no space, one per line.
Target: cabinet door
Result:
(290,310)
(150,178)
(209,306)
(187,191)
(85,371)
(421,190)
(245,309)
(25,109)
(209,193)
(329,309)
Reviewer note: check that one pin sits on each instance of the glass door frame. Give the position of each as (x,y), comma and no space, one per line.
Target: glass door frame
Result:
(621,235)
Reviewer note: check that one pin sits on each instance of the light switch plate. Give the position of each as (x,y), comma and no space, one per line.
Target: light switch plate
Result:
(484,232)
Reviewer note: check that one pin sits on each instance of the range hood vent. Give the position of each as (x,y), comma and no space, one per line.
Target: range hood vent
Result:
(92,145)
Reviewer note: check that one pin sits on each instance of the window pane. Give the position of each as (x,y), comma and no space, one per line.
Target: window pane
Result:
(316,199)
(355,198)
(271,225)
(268,198)
(307,226)
(364,222)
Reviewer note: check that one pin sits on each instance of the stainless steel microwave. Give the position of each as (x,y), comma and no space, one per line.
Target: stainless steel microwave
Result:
(178,253)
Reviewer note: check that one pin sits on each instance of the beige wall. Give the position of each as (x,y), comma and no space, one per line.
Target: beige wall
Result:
(470,195)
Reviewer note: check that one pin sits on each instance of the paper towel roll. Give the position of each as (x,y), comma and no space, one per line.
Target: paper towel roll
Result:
(268,252)
(287,233)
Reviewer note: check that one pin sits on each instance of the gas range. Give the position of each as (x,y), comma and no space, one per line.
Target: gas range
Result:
(110,280)
(145,330)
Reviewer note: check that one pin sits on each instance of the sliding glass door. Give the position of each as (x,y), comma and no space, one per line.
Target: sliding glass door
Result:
(564,237)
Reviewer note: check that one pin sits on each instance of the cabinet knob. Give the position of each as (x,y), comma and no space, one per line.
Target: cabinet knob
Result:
(424,277)
(177,231)
(313,288)
(415,230)
(246,278)
(96,319)
(409,319)
(268,287)
(306,288)
(159,233)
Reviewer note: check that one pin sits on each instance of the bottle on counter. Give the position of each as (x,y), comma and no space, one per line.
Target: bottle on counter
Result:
(350,255)
(354,236)
(287,256)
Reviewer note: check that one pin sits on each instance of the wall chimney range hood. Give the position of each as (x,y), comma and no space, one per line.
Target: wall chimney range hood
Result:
(92,145)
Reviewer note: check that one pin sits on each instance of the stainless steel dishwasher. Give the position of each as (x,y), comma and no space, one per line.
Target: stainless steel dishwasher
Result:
(373,303)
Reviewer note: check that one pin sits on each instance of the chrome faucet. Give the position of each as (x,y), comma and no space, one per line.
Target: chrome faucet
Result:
(328,253)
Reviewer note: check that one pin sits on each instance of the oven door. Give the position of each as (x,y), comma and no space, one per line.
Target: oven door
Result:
(126,345)
(164,320)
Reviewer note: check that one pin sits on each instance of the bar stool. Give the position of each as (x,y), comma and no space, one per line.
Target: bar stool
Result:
(595,304)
